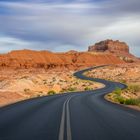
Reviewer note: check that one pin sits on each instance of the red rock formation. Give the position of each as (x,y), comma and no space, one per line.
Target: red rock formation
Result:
(110,46)
(117,48)
(48,60)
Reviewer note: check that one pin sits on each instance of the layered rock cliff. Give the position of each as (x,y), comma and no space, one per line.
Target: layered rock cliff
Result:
(110,46)
(104,52)
(45,59)
(117,48)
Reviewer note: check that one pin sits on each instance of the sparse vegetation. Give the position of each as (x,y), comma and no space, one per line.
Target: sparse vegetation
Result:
(39,82)
(88,88)
(132,101)
(134,88)
(53,79)
(45,82)
(120,99)
(25,77)
(26,90)
(72,89)
(38,95)
(123,81)
(127,74)
(118,95)
(51,92)
(117,91)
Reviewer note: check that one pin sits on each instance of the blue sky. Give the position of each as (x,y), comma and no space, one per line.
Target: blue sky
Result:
(62,25)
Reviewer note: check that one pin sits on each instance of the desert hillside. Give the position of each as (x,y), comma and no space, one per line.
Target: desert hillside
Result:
(104,52)
(27,73)
(48,60)
(127,74)
(21,84)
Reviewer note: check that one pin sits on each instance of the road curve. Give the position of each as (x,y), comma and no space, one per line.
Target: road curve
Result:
(72,116)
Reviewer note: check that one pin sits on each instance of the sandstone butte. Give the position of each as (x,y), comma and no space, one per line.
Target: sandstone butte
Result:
(114,47)
(104,52)
(110,46)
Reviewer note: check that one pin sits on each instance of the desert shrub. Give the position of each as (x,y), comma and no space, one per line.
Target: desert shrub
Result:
(38,95)
(120,99)
(83,85)
(25,77)
(109,95)
(76,83)
(117,91)
(53,79)
(63,90)
(61,80)
(132,101)
(123,81)
(45,83)
(72,89)
(87,88)
(51,92)
(134,88)
(26,90)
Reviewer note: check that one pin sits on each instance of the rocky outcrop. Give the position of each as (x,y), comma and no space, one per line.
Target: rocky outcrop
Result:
(110,46)
(117,48)
(48,60)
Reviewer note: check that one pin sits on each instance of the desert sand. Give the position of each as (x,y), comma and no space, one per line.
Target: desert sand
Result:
(29,83)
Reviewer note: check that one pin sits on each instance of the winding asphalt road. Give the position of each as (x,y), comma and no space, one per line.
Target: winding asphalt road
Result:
(72,116)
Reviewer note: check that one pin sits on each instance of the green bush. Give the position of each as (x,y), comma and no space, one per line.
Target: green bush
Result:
(88,88)
(132,101)
(120,99)
(51,92)
(72,89)
(117,91)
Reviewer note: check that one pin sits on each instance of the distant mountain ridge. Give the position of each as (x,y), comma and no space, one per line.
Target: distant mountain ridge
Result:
(47,60)
(70,60)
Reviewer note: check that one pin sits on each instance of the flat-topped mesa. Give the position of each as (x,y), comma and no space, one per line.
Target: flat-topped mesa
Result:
(110,46)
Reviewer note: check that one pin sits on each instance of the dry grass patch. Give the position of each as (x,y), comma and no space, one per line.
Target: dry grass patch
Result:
(127,96)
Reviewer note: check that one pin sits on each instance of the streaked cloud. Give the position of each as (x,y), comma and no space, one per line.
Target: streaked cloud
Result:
(64,24)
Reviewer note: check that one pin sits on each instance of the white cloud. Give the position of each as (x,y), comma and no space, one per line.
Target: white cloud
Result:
(9,43)
(63,26)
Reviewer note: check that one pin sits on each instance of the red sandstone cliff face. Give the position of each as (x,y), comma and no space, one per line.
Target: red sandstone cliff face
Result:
(110,46)
(48,60)
(119,49)
(104,52)
(28,58)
